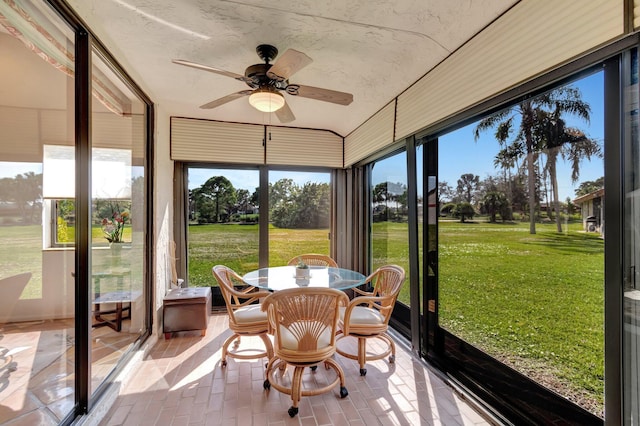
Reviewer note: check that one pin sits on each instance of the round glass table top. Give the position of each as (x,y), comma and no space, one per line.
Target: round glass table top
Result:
(282,277)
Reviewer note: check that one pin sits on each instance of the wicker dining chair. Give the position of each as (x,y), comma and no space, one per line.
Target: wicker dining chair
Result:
(314,259)
(246,318)
(304,322)
(367,315)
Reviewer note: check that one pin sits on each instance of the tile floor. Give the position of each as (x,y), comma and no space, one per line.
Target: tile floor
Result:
(181,382)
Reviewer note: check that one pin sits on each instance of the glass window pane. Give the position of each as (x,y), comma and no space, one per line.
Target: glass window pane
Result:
(118,219)
(37,292)
(223,222)
(389,228)
(299,214)
(521,238)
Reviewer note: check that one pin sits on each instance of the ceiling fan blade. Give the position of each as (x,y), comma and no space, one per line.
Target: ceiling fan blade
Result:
(319,94)
(225,99)
(289,63)
(285,115)
(212,69)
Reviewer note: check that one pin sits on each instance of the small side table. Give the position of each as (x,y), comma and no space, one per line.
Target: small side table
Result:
(186,309)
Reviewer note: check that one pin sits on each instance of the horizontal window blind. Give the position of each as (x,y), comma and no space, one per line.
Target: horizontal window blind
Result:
(109,130)
(304,147)
(216,141)
(373,135)
(20,138)
(531,38)
(57,127)
(138,139)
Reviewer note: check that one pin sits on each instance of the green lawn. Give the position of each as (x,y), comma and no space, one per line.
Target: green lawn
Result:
(21,251)
(533,301)
(236,246)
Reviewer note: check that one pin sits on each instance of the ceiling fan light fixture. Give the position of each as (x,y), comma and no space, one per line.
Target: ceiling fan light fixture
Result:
(266,100)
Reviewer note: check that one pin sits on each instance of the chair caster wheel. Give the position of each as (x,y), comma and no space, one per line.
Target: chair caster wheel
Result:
(223,363)
(392,359)
(343,392)
(363,371)
(292,411)
(266,385)
(314,367)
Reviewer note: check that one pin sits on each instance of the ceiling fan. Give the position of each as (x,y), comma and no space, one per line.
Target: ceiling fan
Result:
(268,80)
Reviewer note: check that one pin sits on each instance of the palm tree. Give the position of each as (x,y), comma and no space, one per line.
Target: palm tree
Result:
(494,203)
(526,138)
(506,159)
(380,194)
(558,139)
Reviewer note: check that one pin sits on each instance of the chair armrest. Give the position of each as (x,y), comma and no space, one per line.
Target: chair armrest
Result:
(370,301)
(247,299)
(362,292)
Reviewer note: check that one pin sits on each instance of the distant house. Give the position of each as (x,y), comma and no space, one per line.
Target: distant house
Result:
(591,205)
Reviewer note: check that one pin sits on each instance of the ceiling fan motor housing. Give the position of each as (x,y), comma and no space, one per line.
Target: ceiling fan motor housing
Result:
(258,74)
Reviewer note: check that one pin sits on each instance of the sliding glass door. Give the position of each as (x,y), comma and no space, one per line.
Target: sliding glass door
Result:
(520,257)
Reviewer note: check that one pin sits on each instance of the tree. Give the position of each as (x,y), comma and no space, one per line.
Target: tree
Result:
(255,197)
(445,192)
(25,190)
(313,204)
(495,202)
(381,195)
(467,184)
(463,211)
(558,139)
(307,207)
(242,200)
(216,195)
(589,186)
(282,192)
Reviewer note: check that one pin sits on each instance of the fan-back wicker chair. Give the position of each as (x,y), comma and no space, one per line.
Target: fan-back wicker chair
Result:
(314,259)
(304,322)
(367,315)
(246,317)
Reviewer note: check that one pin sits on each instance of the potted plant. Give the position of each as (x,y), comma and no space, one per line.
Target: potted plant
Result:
(302,269)
(113,230)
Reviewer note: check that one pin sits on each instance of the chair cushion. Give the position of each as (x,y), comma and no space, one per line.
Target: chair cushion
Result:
(289,341)
(251,313)
(362,315)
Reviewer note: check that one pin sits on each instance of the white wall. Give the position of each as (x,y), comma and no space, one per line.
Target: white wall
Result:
(163,219)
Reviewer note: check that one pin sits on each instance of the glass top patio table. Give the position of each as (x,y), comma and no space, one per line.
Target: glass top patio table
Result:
(283,277)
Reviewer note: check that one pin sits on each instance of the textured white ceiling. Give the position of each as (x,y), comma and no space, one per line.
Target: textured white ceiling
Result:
(373,49)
